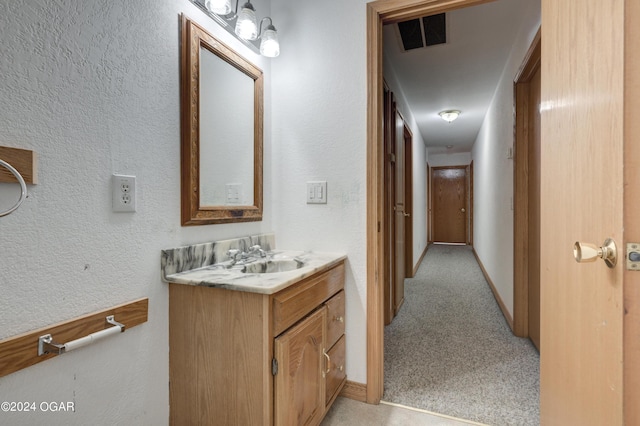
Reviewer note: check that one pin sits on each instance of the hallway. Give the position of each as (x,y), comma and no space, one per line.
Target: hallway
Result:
(450,351)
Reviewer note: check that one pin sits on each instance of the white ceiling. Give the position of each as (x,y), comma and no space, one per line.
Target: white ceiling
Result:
(462,74)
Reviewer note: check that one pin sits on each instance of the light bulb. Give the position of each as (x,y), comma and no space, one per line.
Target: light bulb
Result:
(247,25)
(269,46)
(449,115)
(219,7)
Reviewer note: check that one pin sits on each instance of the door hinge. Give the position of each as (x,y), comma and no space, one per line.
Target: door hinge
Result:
(392,158)
(274,366)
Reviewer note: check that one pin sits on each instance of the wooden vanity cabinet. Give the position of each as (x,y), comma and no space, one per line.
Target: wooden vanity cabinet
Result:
(239,358)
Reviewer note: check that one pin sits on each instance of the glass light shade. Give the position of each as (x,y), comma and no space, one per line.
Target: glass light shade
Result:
(219,7)
(269,45)
(449,115)
(247,24)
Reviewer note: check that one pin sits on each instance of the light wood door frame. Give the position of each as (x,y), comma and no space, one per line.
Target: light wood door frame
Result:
(388,11)
(631,279)
(530,65)
(382,12)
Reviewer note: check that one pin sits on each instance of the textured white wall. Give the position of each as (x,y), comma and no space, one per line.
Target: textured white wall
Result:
(93,88)
(319,133)
(445,160)
(493,171)
(419,213)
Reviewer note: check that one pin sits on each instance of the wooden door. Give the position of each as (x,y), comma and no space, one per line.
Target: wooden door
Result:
(582,165)
(399,225)
(449,204)
(299,388)
(534,209)
(408,201)
(389,204)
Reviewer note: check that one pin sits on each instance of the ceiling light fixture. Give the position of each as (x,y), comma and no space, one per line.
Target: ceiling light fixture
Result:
(246,26)
(449,115)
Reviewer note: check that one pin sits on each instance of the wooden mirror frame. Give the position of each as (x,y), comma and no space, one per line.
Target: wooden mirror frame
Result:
(192,213)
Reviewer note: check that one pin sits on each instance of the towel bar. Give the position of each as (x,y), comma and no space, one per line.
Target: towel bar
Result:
(46,345)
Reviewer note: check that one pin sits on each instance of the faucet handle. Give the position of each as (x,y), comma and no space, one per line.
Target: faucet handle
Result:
(257,249)
(233,253)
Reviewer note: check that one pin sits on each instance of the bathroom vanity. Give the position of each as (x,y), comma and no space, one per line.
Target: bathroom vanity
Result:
(255,348)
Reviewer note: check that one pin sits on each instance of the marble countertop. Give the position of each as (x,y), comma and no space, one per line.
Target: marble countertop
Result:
(265,283)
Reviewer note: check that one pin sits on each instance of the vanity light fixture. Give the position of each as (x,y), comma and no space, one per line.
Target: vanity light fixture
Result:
(246,26)
(449,115)
(219,7)
(269,46)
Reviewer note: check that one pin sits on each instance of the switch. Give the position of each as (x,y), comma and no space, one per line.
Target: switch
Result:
(317,192)
(234,193)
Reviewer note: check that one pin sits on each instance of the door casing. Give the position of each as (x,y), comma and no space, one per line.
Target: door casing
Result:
(388,11)
(530,65)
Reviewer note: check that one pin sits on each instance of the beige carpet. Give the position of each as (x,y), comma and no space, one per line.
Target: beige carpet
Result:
(450,350)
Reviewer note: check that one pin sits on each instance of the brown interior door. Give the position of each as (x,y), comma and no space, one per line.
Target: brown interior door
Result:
(534,209)
(449,204)
(582,192)
(398,292)
(408,201)
(389,204)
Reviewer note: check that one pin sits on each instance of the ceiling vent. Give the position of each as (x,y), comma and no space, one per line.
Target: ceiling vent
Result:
(423,32)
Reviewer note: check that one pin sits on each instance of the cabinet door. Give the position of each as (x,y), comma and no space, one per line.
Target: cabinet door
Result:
(299,385)
(336,374)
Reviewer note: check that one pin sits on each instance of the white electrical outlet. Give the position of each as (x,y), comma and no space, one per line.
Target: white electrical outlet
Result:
(123,190)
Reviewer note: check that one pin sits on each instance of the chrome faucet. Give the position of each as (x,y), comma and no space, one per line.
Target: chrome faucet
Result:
(234,255)
(257,251)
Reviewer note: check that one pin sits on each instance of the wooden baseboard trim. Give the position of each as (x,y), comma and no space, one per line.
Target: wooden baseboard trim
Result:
(496,295)
(417,265)
(354,390)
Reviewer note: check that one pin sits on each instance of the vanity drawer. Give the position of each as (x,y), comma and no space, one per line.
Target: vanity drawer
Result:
(335,318)
(336,374)
(295,302)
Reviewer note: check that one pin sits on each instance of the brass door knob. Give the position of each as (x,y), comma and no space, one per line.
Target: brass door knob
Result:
(587,252)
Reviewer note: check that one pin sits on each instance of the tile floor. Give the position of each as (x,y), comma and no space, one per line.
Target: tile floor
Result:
(347,412)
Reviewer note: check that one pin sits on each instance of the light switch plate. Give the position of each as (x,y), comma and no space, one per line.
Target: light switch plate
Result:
(317,192)
(234,193)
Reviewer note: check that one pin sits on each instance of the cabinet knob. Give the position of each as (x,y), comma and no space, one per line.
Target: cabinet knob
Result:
(341,368)
(338,319)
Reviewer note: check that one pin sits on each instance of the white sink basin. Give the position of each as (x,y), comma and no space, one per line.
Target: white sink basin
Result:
(280,264)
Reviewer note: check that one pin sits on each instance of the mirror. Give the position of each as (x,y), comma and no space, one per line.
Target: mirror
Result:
(222,124)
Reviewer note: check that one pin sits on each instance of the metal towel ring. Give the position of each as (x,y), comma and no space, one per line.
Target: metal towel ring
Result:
(23,187)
